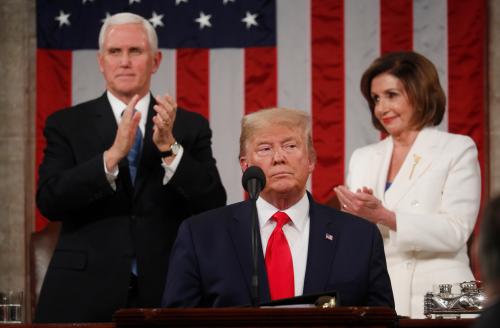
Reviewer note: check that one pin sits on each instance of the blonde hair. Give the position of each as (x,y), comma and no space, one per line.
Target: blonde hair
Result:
(292,118)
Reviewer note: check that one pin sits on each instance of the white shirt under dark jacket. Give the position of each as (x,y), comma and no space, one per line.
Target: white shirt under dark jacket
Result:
(296,232)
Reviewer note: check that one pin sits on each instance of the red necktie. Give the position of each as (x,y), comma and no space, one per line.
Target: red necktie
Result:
(279,264)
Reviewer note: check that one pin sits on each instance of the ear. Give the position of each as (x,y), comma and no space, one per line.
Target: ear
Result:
(243,164)
(100,61)
(311,166)
(157,60)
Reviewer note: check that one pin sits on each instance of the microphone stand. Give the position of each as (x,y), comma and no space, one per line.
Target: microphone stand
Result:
(253,181)
(255,257)
(254,188)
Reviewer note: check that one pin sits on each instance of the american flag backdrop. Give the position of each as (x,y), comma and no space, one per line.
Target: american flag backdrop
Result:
(225,58)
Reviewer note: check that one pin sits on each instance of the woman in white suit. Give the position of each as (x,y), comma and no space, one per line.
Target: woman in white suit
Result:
(420,185)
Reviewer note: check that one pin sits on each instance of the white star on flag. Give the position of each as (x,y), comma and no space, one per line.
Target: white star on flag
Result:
(225,2)
(329,236)
(177,2)
(132,1)
(250,19)
(63,18)
(204,20)
(156,20)
(107,16)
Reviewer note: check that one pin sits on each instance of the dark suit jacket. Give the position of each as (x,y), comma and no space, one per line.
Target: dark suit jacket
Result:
(490,317)
(103,229)
(211,265)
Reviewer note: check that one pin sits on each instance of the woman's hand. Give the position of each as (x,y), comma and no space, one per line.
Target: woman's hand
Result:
(364,204)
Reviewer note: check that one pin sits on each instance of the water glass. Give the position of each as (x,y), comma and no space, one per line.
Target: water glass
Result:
(11,307)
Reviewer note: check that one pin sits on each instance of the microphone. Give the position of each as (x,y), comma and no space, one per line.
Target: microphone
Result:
(253,181)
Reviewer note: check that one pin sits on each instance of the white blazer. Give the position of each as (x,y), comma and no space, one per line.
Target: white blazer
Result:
(436,197)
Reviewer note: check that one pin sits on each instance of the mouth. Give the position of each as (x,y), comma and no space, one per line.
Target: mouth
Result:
(280,175)
(388,120)
(124,76)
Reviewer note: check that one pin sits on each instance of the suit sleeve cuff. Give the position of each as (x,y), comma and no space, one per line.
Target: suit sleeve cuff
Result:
(172,167)
(111,176)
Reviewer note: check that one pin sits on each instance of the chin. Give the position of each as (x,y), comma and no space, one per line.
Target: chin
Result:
(128,92)
(282,187)
(126,88)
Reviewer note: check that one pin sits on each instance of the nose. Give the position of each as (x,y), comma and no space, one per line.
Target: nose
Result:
(381,107)
(125,59)
(279,155)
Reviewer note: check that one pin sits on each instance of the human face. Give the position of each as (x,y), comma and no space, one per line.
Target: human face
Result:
(392,105)
(127,61)
(281,152)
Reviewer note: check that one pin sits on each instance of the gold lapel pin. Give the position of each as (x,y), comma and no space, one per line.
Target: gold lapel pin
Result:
(416,159)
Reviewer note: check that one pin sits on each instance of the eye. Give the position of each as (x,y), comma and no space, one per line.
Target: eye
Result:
(114,51)
(135,51)
(290,147)
(264,150)
(375,98)
(392,94)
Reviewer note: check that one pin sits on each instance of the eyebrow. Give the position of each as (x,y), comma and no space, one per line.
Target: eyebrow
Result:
(124,48)
(386,90)
(281,141)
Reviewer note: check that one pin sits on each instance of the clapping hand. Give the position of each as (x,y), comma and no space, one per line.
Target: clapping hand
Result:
(364,204)
(125,135)
(166,109)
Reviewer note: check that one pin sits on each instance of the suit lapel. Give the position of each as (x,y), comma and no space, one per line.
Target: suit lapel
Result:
(240,231)
(105,122)
(323,235)
(382,159)
(417,162)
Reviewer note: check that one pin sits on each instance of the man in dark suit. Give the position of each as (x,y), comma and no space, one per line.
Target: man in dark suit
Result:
(120,172)
(309,248)
(489,258)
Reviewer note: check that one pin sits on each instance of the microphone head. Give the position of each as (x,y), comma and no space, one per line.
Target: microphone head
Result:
(253,180)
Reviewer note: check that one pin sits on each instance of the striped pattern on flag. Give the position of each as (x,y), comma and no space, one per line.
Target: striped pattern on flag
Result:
(322,48)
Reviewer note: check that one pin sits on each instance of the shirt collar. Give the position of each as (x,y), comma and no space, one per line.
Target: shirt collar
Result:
(142,106)
(298,213)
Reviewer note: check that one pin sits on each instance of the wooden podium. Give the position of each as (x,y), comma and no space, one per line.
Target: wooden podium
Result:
(257,317)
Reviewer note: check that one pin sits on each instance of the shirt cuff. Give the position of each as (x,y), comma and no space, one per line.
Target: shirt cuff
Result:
(170,169)
(111,176)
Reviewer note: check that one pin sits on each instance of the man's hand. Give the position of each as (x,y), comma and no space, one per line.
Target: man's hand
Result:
(164,119)
(125,136)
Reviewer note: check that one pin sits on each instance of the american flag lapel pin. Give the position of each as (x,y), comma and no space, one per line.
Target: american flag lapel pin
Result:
(329,237)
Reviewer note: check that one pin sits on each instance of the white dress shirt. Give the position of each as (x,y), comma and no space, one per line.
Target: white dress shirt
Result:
(296,232)
(142,106)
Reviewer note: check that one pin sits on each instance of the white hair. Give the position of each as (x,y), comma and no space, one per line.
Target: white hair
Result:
(129,18)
